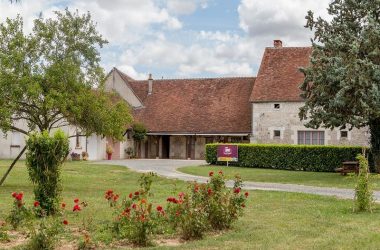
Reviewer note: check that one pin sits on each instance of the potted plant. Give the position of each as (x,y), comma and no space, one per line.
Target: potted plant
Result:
(129,152)
(75,156)
(109,151)
(84,155)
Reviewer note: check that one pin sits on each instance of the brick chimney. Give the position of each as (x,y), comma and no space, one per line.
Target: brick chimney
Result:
(277,43)
(150,84)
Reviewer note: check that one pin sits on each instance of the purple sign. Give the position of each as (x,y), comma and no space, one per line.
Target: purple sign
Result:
(227,153)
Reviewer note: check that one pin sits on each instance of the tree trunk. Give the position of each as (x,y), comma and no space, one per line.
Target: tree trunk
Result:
(12,165)
(374,128)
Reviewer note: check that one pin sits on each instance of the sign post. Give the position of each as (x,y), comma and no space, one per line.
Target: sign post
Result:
(228,153)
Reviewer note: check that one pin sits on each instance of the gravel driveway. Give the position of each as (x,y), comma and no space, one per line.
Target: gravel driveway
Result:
(168,168)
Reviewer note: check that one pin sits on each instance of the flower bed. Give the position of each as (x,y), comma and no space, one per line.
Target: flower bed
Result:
(193,212)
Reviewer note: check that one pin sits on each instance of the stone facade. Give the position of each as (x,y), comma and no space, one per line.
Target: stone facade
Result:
(268,117)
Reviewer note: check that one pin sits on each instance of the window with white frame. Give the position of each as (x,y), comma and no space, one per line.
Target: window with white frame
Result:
(311,137)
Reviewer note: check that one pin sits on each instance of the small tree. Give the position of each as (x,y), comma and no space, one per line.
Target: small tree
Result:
(139,135)
(363,191)
(52,78)
(44,159)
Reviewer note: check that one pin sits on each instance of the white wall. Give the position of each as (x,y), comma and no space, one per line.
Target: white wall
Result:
(266,119)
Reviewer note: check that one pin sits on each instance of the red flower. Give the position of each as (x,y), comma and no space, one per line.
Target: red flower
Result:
(178,213)
(181,194)
(134,206)
(237,190)
(209,191)
(220,172)
(65,222)
(159,208)
(63,205)
(109,192)
(137,193)
(243,205)
(127,210)
(211,174)
(36,204)
(76,208)
(116,197)
(246,194)
(14,194)
(19,196)
(76,200)
(130,195)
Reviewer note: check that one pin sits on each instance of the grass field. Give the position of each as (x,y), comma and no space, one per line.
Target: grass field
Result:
(272,220)
(319,179)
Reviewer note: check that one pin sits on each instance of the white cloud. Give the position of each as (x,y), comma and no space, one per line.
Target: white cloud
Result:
(279,19)
(138,32)
(218,36)
(185,7)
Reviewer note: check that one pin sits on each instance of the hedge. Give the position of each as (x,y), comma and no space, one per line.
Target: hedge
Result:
(290,157)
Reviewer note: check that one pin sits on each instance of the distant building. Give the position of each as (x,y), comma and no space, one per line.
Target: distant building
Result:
(182,115)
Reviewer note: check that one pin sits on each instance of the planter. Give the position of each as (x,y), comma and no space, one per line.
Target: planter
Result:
(109,156)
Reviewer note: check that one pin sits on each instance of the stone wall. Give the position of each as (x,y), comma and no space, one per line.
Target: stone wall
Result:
(266,119)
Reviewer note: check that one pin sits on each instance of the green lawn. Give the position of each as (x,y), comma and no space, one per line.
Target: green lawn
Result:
(273,220)
(319,179)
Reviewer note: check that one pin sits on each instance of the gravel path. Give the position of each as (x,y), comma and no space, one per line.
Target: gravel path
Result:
(168,168)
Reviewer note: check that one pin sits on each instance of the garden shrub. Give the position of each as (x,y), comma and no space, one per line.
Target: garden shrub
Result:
(363,191)
(45,235)
(44,159)
(19,213)
(188,214)
(207,206)
(289,157)
(224,205)
(135,218)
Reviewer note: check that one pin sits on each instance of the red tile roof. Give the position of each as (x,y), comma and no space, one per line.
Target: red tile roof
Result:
(279,76)
(208,106)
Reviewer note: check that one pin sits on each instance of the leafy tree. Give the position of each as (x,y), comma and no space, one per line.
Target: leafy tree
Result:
(52,77)
(139,134)
(342,82)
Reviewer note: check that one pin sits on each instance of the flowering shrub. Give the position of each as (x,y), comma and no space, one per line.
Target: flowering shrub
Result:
(19,212)
(188,214)
(223,207)
(210,205)
(111,197)
(136,220)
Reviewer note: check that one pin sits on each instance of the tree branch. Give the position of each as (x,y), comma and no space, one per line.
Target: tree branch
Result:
(19,130)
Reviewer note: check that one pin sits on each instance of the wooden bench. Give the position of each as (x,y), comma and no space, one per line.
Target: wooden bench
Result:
(348,167)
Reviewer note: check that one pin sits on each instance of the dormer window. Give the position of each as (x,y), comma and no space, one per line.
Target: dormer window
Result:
(276,106)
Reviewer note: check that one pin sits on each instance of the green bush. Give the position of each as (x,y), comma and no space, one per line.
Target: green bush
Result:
(363,190)
(290,157)
(44,159)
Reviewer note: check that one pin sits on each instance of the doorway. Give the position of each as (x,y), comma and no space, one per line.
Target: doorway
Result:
(165,147)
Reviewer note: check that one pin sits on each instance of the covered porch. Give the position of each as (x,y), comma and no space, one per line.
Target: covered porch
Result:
(184,146)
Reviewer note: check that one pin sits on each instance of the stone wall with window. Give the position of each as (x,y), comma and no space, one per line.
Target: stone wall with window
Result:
(278,122)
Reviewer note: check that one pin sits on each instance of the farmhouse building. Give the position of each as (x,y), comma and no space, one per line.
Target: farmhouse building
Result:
(276,102)
(182,115)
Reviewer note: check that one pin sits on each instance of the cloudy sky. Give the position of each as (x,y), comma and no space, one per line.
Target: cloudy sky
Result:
(184,38)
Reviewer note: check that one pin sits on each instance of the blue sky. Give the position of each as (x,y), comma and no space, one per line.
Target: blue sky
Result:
(184,38)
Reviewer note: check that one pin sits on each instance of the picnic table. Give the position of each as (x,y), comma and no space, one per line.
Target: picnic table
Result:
(348,167)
